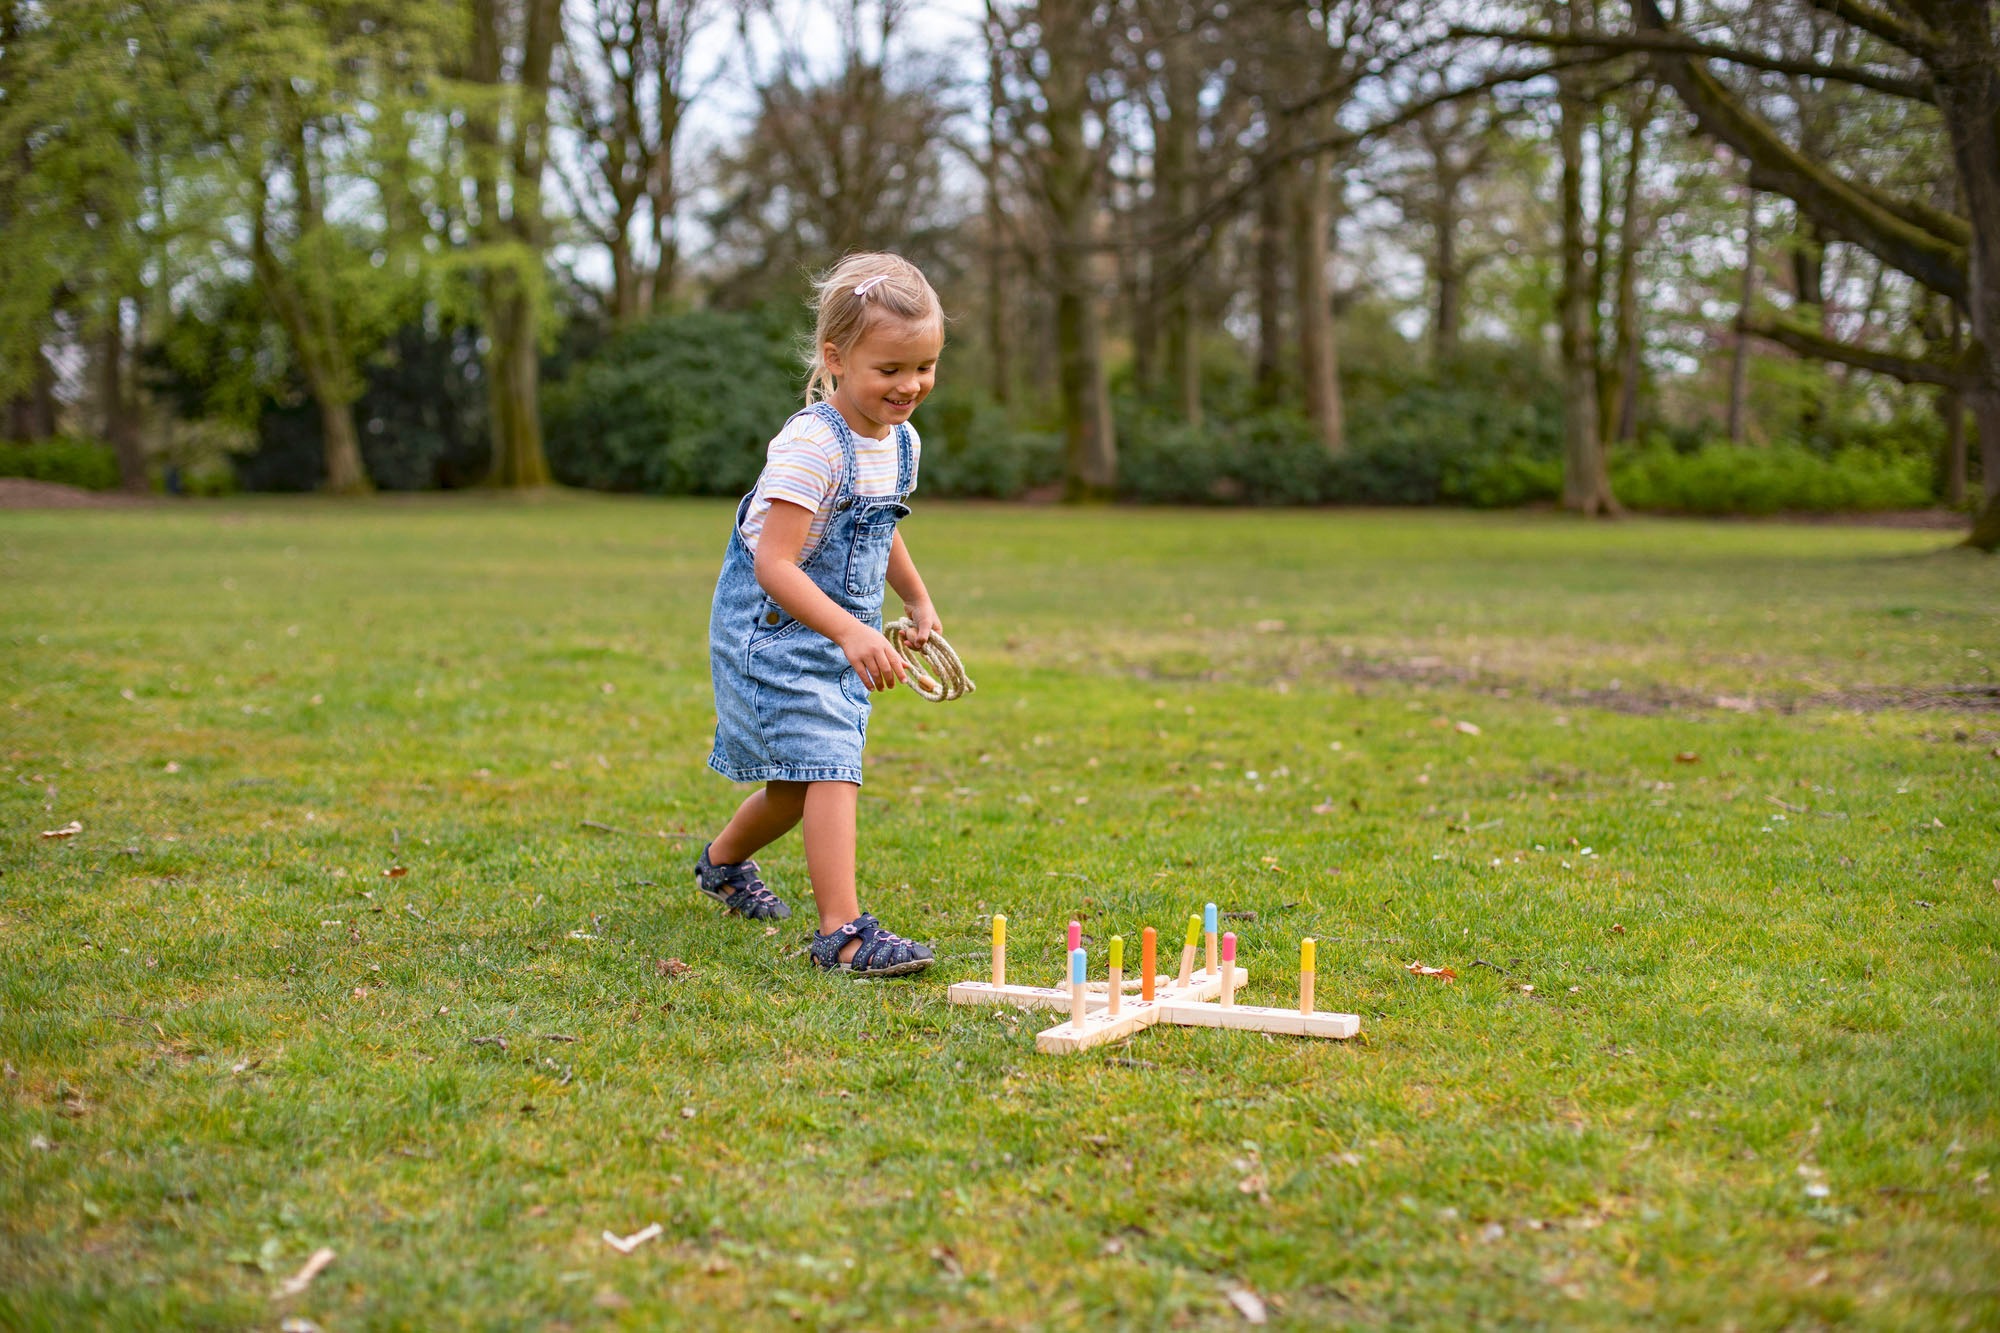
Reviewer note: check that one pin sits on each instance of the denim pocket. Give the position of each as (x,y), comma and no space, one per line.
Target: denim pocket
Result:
(874,540)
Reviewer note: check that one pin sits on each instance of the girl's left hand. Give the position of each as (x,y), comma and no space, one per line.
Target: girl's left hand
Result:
(924,622)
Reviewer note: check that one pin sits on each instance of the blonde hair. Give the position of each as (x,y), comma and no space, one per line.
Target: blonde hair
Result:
(851,296)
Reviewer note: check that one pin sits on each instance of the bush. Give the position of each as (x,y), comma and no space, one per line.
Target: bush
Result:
(678,405)
(1484,431)
(972,449)
(72,462)
(1721,478)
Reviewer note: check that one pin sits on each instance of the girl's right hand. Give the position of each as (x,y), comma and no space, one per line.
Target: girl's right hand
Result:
(873,658)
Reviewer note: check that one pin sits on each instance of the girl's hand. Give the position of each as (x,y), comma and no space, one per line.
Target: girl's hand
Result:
(878,664)
(923,620)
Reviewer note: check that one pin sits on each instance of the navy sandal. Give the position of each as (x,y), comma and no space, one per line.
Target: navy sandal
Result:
(882,953)
(737,886)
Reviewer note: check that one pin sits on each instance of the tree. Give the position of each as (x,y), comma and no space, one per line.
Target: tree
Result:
(626,86)
(1950,58)
(1049,50)
(294,181)
(1586,480)
(513,50)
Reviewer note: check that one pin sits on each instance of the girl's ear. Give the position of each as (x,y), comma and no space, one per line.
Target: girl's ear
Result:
(830,357)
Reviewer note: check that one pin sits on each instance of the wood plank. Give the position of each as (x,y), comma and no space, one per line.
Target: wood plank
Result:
(1098,1028)
(1259,1018)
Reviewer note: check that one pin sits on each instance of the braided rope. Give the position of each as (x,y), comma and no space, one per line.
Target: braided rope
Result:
(935,671)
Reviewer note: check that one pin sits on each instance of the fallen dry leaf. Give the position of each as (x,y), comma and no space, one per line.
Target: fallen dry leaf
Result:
(69,830)
(394,872)
(1687,757)
(1466,728)
(671,967)
(1418,969)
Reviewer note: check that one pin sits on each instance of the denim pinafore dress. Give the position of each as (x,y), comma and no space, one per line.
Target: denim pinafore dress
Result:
(788,707)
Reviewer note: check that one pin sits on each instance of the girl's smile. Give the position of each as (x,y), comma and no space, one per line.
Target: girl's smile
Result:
(882,379)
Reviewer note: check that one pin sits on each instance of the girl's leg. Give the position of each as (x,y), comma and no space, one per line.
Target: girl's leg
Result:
(829,833)
(763,818)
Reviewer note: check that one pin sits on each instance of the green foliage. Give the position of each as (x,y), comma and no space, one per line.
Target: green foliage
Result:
(1722,478)
(90,464)
(1485,432)
(421,416)
(677,405)
(971,448)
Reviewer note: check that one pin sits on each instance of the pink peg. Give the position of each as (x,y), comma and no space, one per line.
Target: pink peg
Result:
(1229,946)
(1075,936)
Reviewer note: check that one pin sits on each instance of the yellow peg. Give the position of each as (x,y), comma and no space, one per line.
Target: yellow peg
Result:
(1194,931)
(1117,994)
(1307,948)
(999,950)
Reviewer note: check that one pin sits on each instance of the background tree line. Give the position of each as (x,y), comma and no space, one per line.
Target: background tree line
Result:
(1732,255)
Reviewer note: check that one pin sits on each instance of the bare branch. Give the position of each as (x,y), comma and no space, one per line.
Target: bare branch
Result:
(1904,34)
(1959,375)
(1917,89)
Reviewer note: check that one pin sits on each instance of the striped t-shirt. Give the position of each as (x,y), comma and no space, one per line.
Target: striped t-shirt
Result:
(804,466)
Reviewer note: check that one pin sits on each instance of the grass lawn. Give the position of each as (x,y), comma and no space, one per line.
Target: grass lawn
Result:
(1716,871)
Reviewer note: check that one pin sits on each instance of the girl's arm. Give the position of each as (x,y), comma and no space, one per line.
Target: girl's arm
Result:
(777,567)
(909,586)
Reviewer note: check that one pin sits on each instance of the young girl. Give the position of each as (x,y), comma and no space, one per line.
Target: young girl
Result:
(795,637)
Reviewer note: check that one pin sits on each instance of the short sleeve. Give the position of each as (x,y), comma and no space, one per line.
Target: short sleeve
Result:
(916,456)
(799,468)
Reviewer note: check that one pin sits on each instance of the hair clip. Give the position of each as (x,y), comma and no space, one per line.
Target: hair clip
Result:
(869,284)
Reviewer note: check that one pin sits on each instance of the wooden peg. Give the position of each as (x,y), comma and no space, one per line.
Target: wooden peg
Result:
(999,950)
(1117,975)
(1078,991)
(1208,930)
(1187,955)
(1149,941)
(1228,969)
(1307,947)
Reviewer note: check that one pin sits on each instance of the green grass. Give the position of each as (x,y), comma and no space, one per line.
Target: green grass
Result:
(1754,1083)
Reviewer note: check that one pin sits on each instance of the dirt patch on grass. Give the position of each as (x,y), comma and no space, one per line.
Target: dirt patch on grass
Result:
(20,493)
(1651,700)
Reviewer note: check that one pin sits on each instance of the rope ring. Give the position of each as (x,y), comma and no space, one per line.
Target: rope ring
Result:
(936,673)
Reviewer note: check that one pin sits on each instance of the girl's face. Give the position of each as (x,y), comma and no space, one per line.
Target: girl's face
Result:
(882,378)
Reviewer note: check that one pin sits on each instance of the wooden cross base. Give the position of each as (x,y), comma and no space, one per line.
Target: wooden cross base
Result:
(1100,1026)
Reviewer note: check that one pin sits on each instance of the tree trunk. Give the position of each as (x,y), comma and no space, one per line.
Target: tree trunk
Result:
(32,416)
(1312,220)
(1175,167)
(1446,319)
(1270,286)
(1739,355)
(1586,485)
(999,369)
(1951,406)
(1623,399)
(511,282)
(1090,468)
(1968,95)
(513,369)
(345,473)
(115,405)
